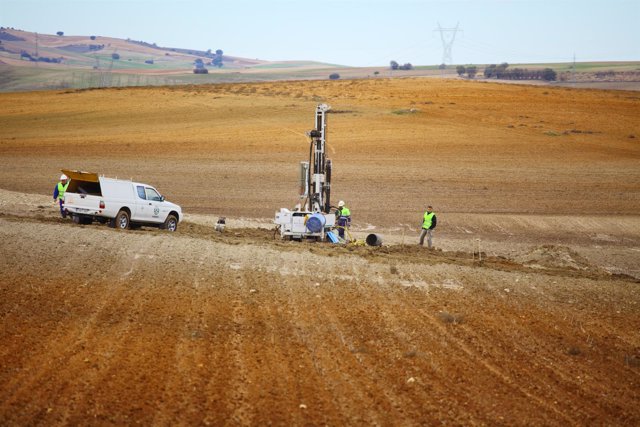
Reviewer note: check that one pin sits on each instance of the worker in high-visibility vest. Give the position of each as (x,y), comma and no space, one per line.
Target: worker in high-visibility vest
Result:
(429,222)
(58,193)
(343,216)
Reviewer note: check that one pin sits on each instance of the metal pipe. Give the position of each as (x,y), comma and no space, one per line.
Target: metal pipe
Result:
(374,240)
(327,188)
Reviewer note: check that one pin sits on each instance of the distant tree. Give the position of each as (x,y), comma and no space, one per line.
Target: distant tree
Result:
(115,56)
(501,70)
(461,70)
(406,66)
(375,73)
(92,37)
(334,76)
(149,61)
(490,71)
(208,51)
(549,75)
(60,33)
(472,70)
(442,66)
(200,71)
(199,63)
(217,59)
(518,73)
(394,65)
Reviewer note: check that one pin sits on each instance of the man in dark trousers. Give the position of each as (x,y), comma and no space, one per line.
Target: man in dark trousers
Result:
(343,215)
(58,193)
(429,222)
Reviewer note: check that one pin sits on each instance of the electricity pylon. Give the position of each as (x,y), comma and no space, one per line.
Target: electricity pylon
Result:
(448,36)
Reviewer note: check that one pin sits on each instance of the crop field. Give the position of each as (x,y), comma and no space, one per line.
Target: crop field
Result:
(527,312)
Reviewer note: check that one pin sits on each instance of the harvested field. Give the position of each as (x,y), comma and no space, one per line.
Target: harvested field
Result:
(239,328)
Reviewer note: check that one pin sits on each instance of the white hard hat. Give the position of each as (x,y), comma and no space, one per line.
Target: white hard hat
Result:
(63,177)
(340,203)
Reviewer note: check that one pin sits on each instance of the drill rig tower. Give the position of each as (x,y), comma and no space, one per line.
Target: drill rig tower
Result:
(312,217)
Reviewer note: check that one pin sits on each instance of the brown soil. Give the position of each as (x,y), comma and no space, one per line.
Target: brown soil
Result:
(198,327)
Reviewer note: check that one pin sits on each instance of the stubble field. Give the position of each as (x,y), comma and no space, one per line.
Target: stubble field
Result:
(196,327)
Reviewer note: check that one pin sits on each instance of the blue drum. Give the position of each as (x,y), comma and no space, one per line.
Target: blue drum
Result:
(316,223)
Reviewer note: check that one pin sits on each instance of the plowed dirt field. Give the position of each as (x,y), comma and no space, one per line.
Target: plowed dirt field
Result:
(195,327)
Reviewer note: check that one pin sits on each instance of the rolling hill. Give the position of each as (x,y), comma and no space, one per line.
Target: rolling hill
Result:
(33,61)
(43,61)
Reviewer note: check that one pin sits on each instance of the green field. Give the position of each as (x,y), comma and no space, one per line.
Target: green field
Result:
(78,72)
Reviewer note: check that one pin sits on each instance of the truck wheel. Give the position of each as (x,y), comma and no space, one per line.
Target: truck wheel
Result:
(171,223)
(75,219)
(123,222)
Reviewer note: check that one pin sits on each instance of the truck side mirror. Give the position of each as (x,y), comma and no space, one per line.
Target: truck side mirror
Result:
(162,198)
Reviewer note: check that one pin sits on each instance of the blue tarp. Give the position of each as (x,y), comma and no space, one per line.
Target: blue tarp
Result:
(332,237)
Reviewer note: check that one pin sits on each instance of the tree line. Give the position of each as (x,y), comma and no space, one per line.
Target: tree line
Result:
(503,72)
(395,66)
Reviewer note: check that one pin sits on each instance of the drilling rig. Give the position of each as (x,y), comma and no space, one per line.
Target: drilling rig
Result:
(311,218)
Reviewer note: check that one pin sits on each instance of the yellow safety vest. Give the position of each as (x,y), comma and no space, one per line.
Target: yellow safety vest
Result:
(428,219)
(344,211)
(62,189)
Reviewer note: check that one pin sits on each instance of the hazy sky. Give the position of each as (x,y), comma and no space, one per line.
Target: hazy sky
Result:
(353,32)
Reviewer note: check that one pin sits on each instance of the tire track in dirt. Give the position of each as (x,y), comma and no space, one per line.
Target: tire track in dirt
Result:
(406,341)
(496,371)
(342,365)
(332,352)
(64,355)
(547,376)
(119,305)
(374,353)
(268,349)
(55,337)
(239,406)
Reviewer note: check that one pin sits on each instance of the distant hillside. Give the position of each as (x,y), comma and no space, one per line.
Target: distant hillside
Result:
(30,61)
(96,52)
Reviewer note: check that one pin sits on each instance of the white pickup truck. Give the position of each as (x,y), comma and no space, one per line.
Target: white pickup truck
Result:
(124,204)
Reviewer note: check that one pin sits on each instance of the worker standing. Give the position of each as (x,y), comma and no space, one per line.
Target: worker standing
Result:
(429,222)
(343,214)
(58,193)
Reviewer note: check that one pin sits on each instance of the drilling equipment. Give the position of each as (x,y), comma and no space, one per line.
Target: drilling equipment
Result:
(311,218)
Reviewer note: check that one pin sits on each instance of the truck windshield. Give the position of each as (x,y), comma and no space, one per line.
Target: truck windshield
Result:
(152,195)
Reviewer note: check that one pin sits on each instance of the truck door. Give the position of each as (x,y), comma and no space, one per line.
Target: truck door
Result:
(147,204)
(142,205)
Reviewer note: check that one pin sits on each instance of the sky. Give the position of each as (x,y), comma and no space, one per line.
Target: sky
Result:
(354,32)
